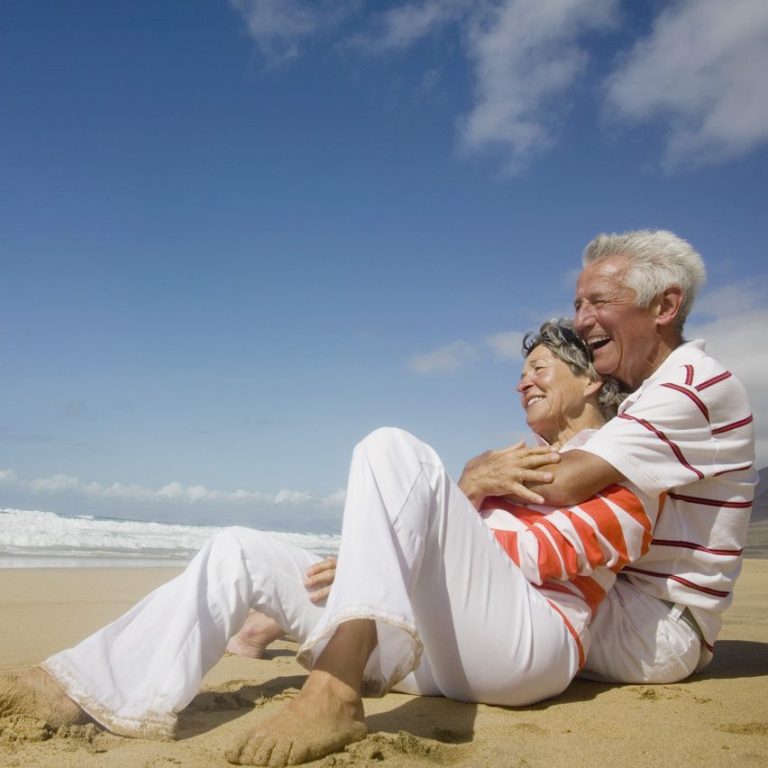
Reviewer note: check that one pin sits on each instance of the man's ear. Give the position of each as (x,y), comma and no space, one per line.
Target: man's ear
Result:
(668,304)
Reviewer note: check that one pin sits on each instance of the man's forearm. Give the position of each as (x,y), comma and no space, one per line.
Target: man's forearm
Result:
(578,476)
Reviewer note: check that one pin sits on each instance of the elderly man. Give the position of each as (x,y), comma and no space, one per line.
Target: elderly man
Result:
(685,433)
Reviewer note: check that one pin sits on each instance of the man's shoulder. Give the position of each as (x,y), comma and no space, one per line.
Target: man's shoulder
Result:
(691,367)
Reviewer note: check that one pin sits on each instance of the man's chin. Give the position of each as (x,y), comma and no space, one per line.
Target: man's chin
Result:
(604,363)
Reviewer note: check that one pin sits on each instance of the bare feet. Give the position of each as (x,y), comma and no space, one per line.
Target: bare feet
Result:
(36,694)
(254,637)
(325,717)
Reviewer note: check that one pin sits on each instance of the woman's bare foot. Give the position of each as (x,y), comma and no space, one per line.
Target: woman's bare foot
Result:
(255,636)
(36,694)
(325,717)
(328,712)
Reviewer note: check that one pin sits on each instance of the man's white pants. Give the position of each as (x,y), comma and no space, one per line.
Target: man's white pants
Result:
(636,638)
(449,605)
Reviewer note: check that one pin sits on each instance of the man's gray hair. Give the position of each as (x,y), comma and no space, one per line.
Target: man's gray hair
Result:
(658,260)
(560,338)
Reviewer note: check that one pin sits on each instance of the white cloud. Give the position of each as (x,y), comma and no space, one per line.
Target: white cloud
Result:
(294,497)
(735,335)
(55,483)
(279,26)
(7,476)
(506,345)
(170,493)
(526,54)
(406,24)
(450,357)
(699,70)
(703,68)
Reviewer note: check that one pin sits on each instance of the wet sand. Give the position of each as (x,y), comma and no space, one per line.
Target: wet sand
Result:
(717,718)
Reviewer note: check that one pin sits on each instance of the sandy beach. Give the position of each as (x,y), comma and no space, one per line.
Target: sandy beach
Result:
(717,718)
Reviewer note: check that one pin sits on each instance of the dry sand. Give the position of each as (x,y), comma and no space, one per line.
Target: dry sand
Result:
(718,718)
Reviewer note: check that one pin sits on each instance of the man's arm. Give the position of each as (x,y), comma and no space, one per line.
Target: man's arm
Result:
(536,476)
(578,476)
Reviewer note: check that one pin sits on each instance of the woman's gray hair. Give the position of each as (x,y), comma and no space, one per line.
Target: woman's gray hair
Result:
(658,260)
(560,337)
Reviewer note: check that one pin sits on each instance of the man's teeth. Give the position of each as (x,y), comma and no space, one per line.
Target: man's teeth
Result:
(535,399)
(598,342)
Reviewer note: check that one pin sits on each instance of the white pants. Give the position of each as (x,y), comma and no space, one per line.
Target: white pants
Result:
(415,557)
(637,638)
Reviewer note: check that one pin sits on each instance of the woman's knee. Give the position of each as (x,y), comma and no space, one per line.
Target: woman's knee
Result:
(395,444)
(236,544)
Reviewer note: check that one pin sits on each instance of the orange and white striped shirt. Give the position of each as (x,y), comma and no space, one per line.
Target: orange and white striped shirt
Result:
(572,554)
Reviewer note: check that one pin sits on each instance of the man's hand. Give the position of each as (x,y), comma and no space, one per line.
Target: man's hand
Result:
(505,473)
(319,578)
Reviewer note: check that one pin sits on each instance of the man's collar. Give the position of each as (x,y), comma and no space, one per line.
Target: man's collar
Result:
(677,357)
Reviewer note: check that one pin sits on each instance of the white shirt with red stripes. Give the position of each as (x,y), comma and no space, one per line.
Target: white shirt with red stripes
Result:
(572,554)
(687,433)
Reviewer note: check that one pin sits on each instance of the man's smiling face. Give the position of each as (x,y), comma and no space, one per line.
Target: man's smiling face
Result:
(622,336)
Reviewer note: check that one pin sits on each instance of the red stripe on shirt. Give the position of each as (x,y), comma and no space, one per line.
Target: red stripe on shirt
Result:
(697,547)
(691,396)
(574,634)
(688,374)
(673,447)
(508,541)
(518,511)
(550,564)
(734,469)
(710,502)
(593,593)
(607,523)
(714,380)
(679,580)
(734,425)
(628,502)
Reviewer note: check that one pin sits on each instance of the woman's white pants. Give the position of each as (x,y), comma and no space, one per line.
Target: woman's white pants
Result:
(454,615)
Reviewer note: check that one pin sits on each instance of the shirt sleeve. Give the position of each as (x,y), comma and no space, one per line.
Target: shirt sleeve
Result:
(609,530)
(675,434)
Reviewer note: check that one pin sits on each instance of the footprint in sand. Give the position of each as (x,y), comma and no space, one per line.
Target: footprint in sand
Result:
(381,746)
(745,729)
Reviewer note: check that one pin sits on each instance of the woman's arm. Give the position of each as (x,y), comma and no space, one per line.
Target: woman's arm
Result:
(507,473)
(611,529)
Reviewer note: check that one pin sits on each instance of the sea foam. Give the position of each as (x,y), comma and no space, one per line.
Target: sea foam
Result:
(34,538)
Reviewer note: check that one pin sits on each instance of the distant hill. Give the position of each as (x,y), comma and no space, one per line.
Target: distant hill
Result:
(760,504)
(757,536)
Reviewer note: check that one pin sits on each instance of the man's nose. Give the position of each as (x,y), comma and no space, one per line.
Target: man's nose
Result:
(583,318)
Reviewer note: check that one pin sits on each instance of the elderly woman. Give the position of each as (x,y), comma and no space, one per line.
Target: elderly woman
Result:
(426,595)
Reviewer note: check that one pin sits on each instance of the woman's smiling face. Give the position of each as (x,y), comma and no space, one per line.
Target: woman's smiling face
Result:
(552,395)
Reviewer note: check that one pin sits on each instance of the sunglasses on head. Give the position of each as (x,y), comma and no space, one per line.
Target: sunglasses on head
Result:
(575,340)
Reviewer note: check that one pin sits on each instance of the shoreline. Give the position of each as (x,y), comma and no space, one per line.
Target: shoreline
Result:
(716,718)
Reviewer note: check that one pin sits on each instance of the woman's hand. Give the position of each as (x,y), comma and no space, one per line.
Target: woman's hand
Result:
(319,578)
(505,473)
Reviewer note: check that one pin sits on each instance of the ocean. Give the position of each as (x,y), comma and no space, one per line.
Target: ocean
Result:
(39,539)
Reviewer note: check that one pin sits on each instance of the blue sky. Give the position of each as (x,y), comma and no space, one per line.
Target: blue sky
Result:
(237,236)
